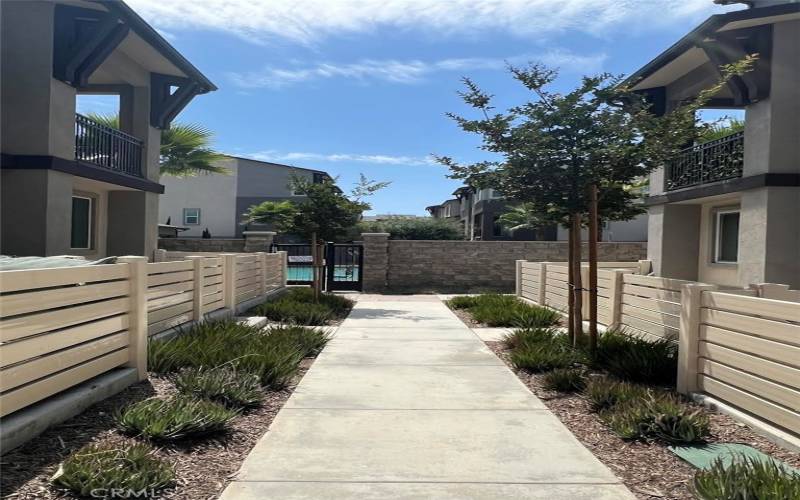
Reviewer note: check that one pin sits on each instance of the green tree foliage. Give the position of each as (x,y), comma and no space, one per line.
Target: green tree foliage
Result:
(325,211)
(324,214)
(415,229)
(718,130)
(521,216)
(185,148)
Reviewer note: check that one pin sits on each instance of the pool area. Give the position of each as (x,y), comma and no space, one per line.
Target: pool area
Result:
(341,273)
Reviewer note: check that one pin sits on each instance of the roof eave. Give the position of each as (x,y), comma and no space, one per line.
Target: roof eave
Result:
(151,36)
(710,25)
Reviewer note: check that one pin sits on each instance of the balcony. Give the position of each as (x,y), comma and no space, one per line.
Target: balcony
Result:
(705,163)
(107,147)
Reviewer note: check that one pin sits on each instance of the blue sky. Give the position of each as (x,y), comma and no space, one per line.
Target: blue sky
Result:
(361,86)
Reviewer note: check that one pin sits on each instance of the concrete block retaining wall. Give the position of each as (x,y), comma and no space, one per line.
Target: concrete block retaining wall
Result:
(462,266)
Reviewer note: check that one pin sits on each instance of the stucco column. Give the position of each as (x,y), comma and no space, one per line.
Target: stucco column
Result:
(769,236)
(376,262)
(258,241)
(673,239)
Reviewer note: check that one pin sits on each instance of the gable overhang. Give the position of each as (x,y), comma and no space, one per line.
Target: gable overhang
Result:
(706,44)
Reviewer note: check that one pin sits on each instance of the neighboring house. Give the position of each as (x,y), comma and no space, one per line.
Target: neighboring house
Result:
(69,184)
(216,202)
(728,211)
(478,212)
(450,209)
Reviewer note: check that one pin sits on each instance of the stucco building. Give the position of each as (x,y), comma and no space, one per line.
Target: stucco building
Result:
(216,202)
(728,211)
(71,185)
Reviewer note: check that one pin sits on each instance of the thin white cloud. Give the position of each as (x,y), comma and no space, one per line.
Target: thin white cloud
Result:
(375,159)
(405,72)
(309,21)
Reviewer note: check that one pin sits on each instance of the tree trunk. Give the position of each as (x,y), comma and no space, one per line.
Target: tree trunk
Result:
(593,268)
(571,283)
(577,290)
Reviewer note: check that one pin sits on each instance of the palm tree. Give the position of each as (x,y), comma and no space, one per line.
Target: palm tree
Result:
(520,217)
(185,148)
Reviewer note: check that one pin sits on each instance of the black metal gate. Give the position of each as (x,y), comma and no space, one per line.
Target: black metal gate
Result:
(343,265)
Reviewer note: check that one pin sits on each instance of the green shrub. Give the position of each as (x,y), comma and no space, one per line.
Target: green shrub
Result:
(543,357)
(746,478)
(529,316)
(175,418)
(244,348)
(604,393)
(297,306)
(663,417)
(565,380)
(636,359)
(109,466)
(308,341)
(494,309)
(426,228)
(462,302)
(222,384)
(530,336)
(298,313)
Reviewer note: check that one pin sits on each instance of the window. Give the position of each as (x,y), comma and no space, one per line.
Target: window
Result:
(726,239)
(447,211)
(81,237)
(191,216)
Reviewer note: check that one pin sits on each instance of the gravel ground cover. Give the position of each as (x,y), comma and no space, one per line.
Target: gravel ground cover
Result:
(204,466)
(649,470)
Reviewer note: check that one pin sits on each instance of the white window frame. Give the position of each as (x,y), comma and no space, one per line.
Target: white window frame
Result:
(89,226)
(718,234)
(185,213)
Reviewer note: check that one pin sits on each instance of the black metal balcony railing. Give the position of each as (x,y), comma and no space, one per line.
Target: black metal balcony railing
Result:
(712,161)
(107,147)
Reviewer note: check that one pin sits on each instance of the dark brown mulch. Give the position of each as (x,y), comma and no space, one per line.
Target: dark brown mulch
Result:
(204,467)
(650,470)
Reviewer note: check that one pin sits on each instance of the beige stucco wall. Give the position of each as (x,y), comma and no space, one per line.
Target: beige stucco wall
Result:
(214,195)
(709,271)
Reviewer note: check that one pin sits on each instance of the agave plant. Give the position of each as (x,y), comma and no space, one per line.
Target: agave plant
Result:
(109,467)
(172,419)
(746,478)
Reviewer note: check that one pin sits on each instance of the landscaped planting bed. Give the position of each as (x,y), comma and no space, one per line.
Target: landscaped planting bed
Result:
(620,406)
(181,434)
(297,306)
(497,310)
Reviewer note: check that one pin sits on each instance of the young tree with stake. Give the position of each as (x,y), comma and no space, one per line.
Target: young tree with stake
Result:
(558,152)
(323,215)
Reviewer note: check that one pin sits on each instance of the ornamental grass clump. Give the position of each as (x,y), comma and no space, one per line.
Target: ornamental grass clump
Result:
(565,380)
(544,357)
(664,417)
(105,467)
(530,336)
(297,306)
(637,359)
(173,419)
(604,392)
(297,313)
(244,348)
(223,384)
(308,341)
(497,310)
(746,478)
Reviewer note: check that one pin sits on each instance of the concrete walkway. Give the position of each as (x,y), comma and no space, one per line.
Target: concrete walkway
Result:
(405,403)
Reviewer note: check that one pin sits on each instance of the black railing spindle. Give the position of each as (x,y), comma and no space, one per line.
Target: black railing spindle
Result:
(712,161)
(107,147)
